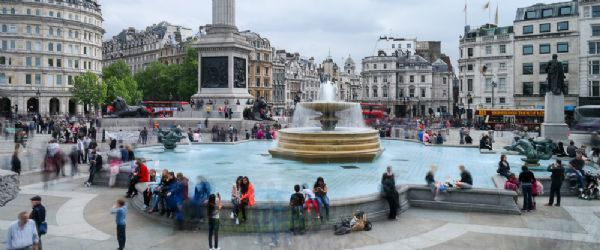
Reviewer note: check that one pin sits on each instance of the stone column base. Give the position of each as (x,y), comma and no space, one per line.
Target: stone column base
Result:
(555,131)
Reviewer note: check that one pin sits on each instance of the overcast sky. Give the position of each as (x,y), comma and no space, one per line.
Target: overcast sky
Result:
(313,27)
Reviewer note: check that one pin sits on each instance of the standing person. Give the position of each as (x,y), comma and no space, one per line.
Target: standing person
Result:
(527,179)
(120,210)
(86,144)
(73,156)
(466,180)
(95,166)
(320,189)
(390,192)
(247,198)
(557,178)
(92,133)
(503,167)
(22,234)
(144,135)
(38,215)
(296,204)
(80,150)
(15,162)
(236,195)
(213,209)
(201,194)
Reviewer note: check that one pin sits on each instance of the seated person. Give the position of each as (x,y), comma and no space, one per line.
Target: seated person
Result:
(197,137)
(559,151)
(503,167)
(484,143)
(468,139)
(466,180)
(572,149)
(512,183)
(440,139)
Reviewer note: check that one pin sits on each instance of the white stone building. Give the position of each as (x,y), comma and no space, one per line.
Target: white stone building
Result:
(140,48)
(542,30)
(350,82)
(488,47)
(390,45)
(44,45)
(589,52)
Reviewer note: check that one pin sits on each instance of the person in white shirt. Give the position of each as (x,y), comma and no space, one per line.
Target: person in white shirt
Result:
(22,234)
(311,200)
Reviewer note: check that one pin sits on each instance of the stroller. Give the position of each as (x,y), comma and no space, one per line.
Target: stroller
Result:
(591,190)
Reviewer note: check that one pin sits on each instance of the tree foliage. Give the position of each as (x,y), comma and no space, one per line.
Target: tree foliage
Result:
(120,82)
(118,69)
(87,89)
(174,82)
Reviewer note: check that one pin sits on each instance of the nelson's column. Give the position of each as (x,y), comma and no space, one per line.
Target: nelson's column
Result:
(223,62)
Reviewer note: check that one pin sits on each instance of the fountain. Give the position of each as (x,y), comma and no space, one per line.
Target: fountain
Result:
(328,130)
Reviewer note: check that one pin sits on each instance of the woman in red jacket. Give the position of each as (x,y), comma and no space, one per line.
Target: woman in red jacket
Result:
(247,198)
(140,174)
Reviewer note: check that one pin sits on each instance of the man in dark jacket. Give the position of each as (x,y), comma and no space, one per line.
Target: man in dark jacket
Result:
(95,167)
(38,214)
(557,177)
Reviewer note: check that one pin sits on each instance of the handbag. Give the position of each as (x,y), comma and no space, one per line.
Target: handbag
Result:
(43,228)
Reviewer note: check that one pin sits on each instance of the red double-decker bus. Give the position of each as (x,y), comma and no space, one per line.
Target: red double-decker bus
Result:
(163,108)
(372,112)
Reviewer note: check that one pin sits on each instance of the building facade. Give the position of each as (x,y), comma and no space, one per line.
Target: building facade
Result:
(540,31)
(140,48)
(589,52)
(45,44)
(486,68)
(279,84)
(260,67)
(350,82)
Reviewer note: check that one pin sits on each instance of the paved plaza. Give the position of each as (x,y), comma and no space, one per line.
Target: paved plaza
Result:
(79,219)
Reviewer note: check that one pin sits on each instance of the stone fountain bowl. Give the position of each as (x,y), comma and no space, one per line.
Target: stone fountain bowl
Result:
(328,106)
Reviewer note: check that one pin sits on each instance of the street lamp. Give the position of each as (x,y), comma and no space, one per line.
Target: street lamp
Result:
(494,85)
(38,95)
(469,113)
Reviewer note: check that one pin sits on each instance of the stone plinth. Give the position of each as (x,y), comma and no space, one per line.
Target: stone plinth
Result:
(9,186)
(554,126)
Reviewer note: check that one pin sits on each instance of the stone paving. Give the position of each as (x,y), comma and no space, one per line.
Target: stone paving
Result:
(78,219)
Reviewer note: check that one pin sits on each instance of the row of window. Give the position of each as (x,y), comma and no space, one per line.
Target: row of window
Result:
(71,49)
(500,85)
(51,80)
(546,27)
(52,13)
(546,13)
(594,88)
(52,32)
(528,68)
(561,47)
(542,88)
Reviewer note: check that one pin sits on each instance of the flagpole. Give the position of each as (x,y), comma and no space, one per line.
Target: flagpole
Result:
(465,12)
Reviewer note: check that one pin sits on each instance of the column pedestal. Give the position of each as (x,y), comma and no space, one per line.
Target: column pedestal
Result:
(554,126)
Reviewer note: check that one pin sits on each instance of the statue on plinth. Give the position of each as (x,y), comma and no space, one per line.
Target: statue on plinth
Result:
(533,150)
(556,76)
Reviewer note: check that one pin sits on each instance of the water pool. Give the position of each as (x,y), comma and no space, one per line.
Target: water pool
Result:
(274,178)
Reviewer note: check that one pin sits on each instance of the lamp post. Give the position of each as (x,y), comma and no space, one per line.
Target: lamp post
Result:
(38,95)
(389,100)
(469,112)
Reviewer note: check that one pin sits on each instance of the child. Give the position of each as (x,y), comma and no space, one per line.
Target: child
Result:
(310,200)
(120,210)
(214,208)
(296,203)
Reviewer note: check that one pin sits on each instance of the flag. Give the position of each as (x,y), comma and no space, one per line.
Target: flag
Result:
(496,14)
(487,5)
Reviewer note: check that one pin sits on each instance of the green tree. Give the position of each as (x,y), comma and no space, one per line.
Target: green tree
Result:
(118,69)
(151,80)
(126,88)
(188,85)
(88,90)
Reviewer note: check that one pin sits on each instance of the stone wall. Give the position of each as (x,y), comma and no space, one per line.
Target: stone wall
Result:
(9,186)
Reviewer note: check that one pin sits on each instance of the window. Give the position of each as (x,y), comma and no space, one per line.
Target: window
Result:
(527,88)
(50,31)
(28,29)
(543,88)
(374,79)
(76,62)
(58,79)
(38,79)
(543,67)
(385,66)
(469,85)
(488,100)
(411,92)
(38,61)
(502,100)
(28,61)
(562,47)
(544,48)
(594,67)
(2,60)
(594,47)
(2,78)
(58,47)
(50,62)
(544,27)
(70,80)
(51,13)
(37,29)
(527,68)
(502,84)
(4,28)
(27,79)
(563,11)
(385,91)
(412,78)
(444,80)
(547,12)
(502,49)
(28,11)
(527,49)
(50,47)
(502,66)
(375,90)
(38,12)
(488,50)
(374,66)
(470,52)
(595,30)
(565,67)
(422,78)
(594,88)
(423,92)
(469,67)
(530,14)
(596,11)
(560,26)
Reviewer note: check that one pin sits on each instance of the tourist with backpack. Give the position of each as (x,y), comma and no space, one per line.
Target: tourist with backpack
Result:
(296,204)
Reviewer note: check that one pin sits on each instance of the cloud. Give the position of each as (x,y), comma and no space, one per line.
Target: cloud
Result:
(314,27)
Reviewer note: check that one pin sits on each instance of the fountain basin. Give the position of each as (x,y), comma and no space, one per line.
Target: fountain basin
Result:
(340,145)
